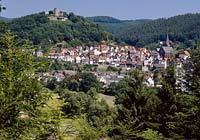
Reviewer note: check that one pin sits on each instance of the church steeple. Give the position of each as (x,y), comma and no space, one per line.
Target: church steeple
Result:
(167,40)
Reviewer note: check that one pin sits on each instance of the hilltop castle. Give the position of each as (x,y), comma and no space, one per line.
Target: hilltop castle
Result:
(56,15)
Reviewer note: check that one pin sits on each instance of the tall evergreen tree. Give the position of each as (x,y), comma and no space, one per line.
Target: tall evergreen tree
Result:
(134,105)
(193,74)
(168,106)
(21,93)
(190,120)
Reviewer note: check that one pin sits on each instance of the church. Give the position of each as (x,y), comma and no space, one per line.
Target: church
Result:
(166,51)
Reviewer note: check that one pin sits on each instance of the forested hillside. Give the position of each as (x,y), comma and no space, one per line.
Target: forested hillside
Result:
(78,30)
(182,28)
(41,31)
(114,25)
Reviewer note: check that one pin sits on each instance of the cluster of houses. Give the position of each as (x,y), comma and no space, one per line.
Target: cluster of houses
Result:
(118,56)
(123,57)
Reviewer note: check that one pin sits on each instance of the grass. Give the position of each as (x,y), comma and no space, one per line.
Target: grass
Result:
(102,68)
(71,128)
(110,100)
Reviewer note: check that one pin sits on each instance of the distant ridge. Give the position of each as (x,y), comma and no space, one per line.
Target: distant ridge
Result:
(4,18)
(114,25)
(181,28)
(104,19)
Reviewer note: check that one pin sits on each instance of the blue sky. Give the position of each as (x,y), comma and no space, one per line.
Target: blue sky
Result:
(122,9)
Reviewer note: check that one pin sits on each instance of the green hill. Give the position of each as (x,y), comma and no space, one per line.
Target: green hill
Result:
(114,25)
(182,28)
(43,32)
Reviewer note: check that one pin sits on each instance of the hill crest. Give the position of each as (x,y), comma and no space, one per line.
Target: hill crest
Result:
(76,30)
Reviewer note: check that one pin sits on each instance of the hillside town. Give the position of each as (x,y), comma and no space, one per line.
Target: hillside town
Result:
(122,57)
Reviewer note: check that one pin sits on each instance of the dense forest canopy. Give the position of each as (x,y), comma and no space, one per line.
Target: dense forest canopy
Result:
(114,25)
(182,28)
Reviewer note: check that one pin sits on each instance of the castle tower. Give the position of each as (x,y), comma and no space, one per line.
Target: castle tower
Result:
(56,12)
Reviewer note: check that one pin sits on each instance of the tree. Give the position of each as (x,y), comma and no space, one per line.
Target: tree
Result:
(99,114)
(75,103)
(135,106)
(52,83)
(115,88)
(150,134)
(3,27)
(56,65)
(193,74)
(168,105)
(88,80)
(191,103)
(20,91)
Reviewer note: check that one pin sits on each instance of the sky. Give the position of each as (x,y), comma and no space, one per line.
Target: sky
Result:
(121,9)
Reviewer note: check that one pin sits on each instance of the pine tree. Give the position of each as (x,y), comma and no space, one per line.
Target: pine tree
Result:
(193,74)
(21,93)
(189,119)
(135,105)
(167,95)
